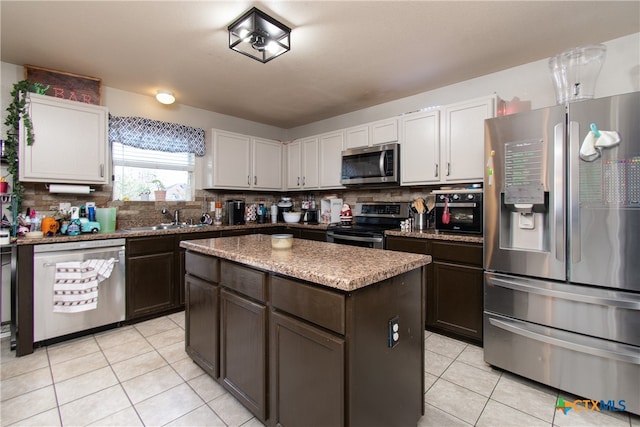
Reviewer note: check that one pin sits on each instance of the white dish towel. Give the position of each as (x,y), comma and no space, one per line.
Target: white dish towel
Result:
(75,286)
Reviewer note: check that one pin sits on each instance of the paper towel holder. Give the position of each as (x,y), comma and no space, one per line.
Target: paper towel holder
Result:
(68,189)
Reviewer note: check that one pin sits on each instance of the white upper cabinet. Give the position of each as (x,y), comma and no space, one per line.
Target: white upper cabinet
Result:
(302,164)
(420,148)
(463,138)
(71,143)
(267,164)
(294,165)
(237,161)
(330,169)
(374,133)
(445,145)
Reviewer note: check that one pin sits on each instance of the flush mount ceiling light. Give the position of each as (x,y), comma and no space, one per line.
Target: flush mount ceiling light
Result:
(165,97)
(259,36)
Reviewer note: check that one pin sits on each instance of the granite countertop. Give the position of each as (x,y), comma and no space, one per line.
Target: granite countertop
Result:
(119,234)
(334,265)
(437,235)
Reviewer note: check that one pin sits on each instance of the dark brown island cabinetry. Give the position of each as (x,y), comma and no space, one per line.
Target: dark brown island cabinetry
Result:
(296,353)
(454,297)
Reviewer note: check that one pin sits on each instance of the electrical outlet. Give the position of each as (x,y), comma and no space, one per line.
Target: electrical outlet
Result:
(65,207)
(394,331)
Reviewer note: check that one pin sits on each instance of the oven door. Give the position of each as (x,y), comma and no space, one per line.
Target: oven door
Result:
(373,241)
(465,217)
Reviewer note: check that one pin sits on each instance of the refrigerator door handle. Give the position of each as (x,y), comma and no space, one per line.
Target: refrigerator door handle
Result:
(621,354)
(574,192)
(558,191)
(617,302)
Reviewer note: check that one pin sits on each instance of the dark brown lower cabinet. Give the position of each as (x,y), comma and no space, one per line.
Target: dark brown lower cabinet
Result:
(152,278)
(202,323)
(454,297)
(243,336)
(307,366)
(243,343)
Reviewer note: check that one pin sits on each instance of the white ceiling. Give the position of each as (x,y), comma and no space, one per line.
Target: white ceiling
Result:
(345,55)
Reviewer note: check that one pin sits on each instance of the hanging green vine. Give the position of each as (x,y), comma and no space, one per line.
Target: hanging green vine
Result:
(16,111)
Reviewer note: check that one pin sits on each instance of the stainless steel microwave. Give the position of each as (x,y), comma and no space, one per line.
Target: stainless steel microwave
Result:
(379,164)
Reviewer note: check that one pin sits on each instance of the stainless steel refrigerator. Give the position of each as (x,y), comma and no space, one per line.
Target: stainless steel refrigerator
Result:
(562,247)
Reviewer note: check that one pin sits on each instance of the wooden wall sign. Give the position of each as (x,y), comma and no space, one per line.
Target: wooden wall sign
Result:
(65,85)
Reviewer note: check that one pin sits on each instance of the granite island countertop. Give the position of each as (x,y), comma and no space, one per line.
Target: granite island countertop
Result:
(333,265)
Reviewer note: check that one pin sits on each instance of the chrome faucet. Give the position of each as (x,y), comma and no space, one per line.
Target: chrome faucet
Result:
(176,215)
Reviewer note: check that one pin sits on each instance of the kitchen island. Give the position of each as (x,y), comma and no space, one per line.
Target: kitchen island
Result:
(320,334)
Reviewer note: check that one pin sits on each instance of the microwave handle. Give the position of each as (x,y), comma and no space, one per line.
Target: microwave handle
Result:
(383,172)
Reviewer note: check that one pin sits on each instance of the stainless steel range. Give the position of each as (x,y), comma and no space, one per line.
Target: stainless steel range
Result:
(370,220)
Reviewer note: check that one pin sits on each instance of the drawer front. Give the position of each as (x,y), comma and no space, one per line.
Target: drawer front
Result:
(319,306)
(465,253)
(249,282)
(150,245)
(202,266)
(404,244)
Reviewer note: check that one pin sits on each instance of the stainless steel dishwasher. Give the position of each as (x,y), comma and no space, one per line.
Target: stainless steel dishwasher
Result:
(48,324)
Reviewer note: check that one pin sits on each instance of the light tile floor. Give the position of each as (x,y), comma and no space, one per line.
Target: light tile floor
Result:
(140,375)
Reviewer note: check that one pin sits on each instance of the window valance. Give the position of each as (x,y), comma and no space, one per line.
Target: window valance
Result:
(156,135)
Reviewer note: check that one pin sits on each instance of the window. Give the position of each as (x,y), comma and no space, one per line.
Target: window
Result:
(138,172)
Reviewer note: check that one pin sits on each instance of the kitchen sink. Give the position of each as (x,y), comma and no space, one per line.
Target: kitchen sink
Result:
(154,227)
(160,227)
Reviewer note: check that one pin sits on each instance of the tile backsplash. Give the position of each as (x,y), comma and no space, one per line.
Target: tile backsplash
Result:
(139,213)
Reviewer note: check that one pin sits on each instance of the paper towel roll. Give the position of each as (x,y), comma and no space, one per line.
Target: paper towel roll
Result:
(69,189)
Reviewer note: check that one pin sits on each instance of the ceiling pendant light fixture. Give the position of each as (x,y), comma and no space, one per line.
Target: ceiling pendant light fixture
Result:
(259,36)
(165,97)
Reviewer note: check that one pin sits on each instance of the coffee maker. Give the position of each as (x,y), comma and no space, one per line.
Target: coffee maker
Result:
(235,212)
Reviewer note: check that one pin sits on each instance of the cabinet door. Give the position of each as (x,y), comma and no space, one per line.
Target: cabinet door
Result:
(201,323)
(243,345)
(357,137)
(306,374)
(231,160)
(330,156)
(455,299)
(294,165)
(150,284)
(463,157)
(420,148)
(70,143)
(309,163)
(267,164)
(384,131)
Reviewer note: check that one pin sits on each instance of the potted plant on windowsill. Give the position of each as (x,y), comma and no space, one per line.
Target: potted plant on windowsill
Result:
(160,194)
